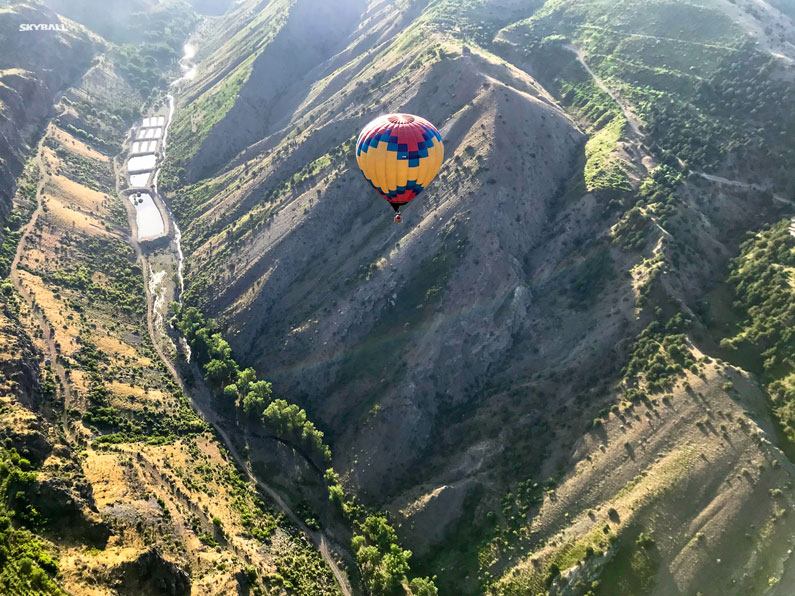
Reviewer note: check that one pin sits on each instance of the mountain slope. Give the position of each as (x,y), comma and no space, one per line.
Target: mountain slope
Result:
(34,68)
(454,361)
(570,371)
(110,483)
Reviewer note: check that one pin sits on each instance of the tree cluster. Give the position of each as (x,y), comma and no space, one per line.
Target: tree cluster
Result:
(242,388)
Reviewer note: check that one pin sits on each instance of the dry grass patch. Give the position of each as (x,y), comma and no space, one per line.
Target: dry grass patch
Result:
(77,564)
(123,391)
(78,379)
(65,331)
(36,259)
(112,346)
(59,214)
(74,193)
(107,478)
(75,145)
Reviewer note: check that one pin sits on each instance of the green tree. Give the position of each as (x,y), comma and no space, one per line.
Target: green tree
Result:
(254,406)
(231,393)
(219,372)
(261,389)
(336,494)
(378,531)
(396,565)
(423,586)
(331,477)
(245,378)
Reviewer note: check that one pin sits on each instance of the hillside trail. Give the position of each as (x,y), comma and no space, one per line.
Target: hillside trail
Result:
(754,29)
(632,119)
(750,186)
(201,399)
(47,333)
(661,38)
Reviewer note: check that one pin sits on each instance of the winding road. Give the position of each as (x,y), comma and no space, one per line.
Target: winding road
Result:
(749,186)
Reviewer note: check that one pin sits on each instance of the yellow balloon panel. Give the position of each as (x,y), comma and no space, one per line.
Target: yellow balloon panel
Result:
(400,154)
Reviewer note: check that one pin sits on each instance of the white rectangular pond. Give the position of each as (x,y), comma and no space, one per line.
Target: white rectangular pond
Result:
(139,180)
(149,133)
(144,147)
(141,163)
(154,121)
(147,216)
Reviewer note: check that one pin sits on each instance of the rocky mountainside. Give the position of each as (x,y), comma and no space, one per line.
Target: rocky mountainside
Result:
(568,269)
(34,68)
(569,371)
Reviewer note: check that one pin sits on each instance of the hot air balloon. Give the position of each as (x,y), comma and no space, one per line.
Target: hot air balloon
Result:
(399,154)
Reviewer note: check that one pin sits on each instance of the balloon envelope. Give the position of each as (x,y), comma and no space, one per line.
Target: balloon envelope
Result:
(399,154)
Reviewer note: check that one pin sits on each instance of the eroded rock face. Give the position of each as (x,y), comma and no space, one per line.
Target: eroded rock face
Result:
(28,437)
(19,368)
(151,574)
(67,502)
(34,67)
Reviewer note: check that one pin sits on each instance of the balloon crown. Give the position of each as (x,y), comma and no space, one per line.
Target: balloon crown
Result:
(401,118)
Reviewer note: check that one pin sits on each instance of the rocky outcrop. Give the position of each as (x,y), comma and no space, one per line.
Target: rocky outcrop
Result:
(28,437)
(67,502)
(152,574)
(20,366)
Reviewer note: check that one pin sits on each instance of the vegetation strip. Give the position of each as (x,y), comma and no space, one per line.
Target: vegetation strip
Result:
(383,564)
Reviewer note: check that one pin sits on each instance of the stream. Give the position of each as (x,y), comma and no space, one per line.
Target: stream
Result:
(188,69)
(188,73)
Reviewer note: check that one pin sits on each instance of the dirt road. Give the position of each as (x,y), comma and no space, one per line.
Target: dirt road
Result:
(634,122)
(749,186)
(37,315)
